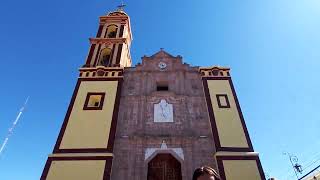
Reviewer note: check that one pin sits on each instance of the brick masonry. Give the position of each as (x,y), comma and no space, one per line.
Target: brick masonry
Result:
(136,130)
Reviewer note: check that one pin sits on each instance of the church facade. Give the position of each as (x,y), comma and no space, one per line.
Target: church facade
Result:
(158,120)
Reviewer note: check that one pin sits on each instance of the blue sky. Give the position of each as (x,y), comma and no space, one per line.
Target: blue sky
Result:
(272,47)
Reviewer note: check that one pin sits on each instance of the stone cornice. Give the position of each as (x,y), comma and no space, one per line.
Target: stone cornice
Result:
(107,40)
(101,72)
(214,71)
(101,67)
(214,67)
(105,19)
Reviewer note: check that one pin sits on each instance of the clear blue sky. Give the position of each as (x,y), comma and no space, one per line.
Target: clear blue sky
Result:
(272,46)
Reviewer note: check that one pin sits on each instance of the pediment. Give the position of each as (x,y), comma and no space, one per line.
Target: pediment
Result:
(161,54)
(169,62)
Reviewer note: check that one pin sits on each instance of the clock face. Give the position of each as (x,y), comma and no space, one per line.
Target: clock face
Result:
(162,65)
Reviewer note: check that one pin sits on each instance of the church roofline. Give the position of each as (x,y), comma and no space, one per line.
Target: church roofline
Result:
(162,53)
(111,13)
(214,67)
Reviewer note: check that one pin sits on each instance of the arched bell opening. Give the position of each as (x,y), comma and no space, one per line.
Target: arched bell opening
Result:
(112,31)
(105,57)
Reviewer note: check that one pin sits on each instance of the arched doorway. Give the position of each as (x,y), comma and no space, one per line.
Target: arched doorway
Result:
(164,167)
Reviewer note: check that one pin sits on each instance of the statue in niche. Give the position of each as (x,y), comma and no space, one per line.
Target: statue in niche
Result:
(163,112)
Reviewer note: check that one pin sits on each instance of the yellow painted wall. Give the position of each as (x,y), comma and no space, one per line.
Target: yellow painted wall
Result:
(76,170)
(95,54)
(90,128)
(115,53)
(228,121)
(124,56)
(241,170)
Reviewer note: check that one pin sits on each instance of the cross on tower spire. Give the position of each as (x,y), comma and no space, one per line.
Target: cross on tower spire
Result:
(121,6)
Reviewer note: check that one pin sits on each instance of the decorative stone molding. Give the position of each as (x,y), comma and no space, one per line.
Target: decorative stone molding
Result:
(163,148)
(108,41)
(214,71)
(101,71)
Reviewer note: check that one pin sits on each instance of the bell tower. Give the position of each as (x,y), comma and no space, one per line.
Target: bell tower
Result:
(111,46)
(84,147)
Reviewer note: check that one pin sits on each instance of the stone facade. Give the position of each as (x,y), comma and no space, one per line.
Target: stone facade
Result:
(158,120)
(136,130)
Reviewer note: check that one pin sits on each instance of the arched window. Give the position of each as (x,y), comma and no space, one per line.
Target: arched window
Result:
(112,31)
(105,57)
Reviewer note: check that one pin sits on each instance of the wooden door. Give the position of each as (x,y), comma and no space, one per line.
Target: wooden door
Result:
(164,167)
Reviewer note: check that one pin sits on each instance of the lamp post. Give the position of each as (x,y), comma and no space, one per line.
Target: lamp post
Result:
(297,168)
